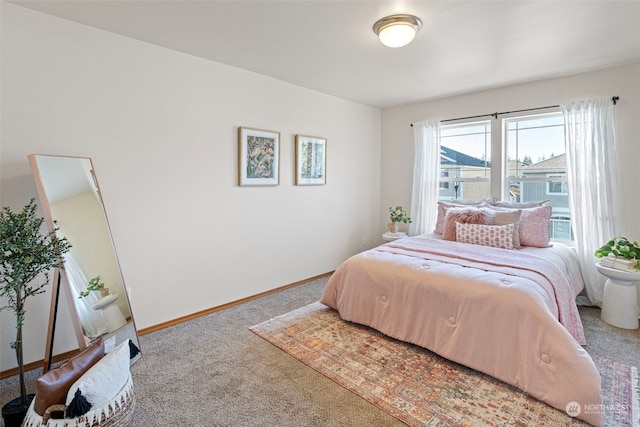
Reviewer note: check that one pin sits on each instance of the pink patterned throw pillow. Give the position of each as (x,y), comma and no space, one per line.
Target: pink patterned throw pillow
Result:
(462,215)
(497,236)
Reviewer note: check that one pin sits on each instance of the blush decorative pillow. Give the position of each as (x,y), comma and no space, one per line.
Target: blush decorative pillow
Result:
(534,227)
(497,236)
(442,206)
(463,215)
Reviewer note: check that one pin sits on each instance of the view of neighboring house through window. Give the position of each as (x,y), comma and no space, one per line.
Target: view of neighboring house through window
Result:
(533,163)
(537,166)
(557,188)
(465,161)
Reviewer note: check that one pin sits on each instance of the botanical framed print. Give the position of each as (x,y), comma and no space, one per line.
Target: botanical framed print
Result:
(311,160)
(259,154)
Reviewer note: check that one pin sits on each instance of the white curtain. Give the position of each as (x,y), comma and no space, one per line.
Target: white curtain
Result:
(592,179)
(426,177)
(92,321)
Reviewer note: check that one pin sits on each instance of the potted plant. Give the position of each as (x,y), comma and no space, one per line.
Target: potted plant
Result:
(95,284)
(25,254)
(619,253)
(396,215)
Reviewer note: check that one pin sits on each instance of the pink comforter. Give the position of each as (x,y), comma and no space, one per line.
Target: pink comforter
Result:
(508,314)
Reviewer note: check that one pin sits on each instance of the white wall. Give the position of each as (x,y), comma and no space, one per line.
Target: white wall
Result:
(161,128)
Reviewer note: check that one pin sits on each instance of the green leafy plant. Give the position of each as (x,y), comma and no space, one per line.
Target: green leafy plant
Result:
(398,214)
(95,284)
(25,254)
(619,247)
(261,156)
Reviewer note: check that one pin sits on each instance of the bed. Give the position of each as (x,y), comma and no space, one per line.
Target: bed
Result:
(508,313)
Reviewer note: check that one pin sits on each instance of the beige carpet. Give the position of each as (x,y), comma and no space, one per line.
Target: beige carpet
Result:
(213,371)
(422,389)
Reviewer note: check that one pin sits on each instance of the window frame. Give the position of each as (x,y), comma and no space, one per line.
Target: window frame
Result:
(563,180)
(498,177)
(449,182)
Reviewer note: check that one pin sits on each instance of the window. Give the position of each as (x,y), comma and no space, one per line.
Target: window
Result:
(557,187)
(531,152)
(465,161)
(536,166)
(560,227)
(444,185)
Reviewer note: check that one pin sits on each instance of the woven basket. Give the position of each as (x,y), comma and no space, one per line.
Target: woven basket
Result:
(117,413)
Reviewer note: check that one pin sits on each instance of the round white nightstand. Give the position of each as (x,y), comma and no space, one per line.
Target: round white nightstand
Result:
(388,237)
(111,313)
(620,297)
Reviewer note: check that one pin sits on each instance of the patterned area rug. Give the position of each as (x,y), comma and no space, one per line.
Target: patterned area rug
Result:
(421,388)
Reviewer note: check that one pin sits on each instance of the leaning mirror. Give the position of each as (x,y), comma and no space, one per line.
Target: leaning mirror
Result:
(72,205)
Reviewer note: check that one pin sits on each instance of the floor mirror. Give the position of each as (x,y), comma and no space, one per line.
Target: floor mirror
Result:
(72,207)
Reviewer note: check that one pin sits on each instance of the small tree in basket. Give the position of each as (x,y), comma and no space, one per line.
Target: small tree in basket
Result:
(24,255)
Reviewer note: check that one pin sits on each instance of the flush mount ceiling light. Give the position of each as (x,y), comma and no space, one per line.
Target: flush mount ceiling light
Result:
(397,30)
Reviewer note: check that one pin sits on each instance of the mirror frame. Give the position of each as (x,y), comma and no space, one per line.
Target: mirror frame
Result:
(60,277)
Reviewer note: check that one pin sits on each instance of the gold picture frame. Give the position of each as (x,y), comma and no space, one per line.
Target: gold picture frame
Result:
(311,160)
(258,157)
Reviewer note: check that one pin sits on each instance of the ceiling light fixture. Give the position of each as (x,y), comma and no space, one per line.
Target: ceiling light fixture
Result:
(397,30)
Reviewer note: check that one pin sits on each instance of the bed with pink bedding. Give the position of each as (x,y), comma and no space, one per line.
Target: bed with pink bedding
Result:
(508,313)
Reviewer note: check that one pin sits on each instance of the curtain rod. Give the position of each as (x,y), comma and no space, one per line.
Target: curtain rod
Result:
(495,115)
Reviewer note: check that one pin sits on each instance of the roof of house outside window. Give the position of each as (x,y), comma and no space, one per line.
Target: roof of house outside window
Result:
(557,162)
(449,156)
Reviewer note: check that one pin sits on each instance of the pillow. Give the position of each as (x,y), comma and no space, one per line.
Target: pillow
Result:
(508,217)
(523,205)
(458,203)
(463,215)
(52,387)
(473,202)
(102,382)
(497,236)
(534,227)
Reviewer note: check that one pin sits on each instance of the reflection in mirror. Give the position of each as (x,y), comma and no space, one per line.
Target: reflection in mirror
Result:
(71,202)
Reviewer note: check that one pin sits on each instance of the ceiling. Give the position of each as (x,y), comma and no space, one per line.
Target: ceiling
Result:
(329,46)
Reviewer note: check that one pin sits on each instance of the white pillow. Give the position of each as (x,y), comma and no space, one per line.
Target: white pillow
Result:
(524,205)
(102,382)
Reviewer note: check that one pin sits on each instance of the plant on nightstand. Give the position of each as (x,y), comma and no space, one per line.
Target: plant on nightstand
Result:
(95,284)
(396,215)
(25,254)
(619,253)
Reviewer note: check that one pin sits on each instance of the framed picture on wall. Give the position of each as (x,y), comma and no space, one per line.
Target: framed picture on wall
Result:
(258,156)
(311,160)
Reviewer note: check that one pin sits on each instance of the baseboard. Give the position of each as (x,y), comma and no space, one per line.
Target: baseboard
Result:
(38,364)
(192,316)
(64,356)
